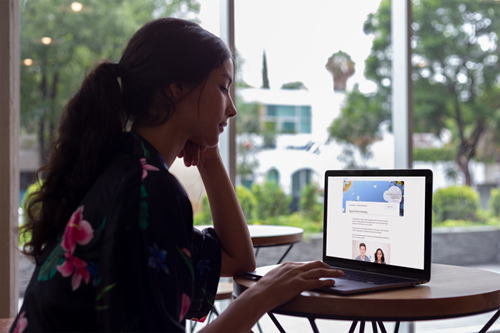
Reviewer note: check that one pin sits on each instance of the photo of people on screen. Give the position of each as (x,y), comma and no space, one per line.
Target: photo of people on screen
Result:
(379,257)
(362,253)
(371,251)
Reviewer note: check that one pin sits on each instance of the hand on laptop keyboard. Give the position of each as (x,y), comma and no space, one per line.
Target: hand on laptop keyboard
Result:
(290,279)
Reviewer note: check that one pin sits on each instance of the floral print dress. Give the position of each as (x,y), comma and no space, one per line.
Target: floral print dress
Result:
(129,258)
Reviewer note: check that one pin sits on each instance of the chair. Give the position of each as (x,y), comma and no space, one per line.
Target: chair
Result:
(224,291)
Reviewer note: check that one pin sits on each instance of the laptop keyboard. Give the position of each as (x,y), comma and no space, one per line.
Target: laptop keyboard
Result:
(371,278)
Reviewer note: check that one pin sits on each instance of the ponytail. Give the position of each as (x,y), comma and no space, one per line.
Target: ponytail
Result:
(89,135)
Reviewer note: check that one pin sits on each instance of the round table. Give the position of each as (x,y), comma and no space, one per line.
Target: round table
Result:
(453,291)
(271,235)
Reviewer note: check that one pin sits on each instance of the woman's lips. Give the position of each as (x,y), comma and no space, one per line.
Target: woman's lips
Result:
(221,126)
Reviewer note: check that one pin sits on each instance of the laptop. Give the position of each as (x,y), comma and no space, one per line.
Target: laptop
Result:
(377,229)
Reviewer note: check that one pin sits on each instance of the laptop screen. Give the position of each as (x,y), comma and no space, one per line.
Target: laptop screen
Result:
(377,217)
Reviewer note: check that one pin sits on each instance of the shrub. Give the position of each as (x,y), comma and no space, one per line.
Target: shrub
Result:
(205,215)
(494,202)
(271,200)
(308,203)
(247,201)
(455,203)
(296,219)
(26,236)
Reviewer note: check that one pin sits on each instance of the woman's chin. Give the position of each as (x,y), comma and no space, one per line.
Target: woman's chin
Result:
(210,143)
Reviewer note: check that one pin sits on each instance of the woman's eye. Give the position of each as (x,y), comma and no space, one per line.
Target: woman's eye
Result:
(223,89)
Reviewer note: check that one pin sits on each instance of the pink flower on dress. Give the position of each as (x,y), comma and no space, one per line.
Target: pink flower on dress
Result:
(146,168)
(186,251)
(21,323)
(75,266)
(202,320)
(77,230)
(184,306)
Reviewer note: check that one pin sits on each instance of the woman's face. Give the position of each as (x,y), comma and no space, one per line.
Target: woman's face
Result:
(211,110)
(379,255)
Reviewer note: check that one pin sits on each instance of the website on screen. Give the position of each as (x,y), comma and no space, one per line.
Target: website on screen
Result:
(377,219)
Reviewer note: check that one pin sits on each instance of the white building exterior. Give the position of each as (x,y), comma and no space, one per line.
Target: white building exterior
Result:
(289,158)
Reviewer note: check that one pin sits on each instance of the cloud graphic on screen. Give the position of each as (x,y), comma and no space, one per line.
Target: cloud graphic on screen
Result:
(393,194)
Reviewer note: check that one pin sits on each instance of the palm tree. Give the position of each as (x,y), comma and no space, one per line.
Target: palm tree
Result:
(341,66)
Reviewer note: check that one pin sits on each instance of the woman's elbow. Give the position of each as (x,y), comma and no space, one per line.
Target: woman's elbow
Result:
(237,266)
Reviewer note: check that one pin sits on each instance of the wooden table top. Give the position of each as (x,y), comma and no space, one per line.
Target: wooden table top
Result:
(453,291)
(270,235)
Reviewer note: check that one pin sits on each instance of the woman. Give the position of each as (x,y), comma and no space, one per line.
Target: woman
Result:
(379,256)
(111,228)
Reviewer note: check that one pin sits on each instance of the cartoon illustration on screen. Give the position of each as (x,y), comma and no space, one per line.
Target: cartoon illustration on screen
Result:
(390,195)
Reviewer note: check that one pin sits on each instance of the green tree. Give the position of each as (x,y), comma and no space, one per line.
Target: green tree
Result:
(265,78)
(296,85)
(455,73)
(358,126)
(59,44)
(249,125)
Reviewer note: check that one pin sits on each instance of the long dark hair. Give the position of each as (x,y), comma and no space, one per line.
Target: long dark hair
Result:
(162,52)
(383,257)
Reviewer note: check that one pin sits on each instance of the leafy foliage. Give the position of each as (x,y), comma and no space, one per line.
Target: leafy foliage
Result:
(271,200)
(265,77)
(456,203)
(455,77)
(100,30)
(308,203)
(205,215)
(296,85)
(25,237)
(342,67)
(494,202)
(358,123)
(433,154)
(267,204)
(296,219)
(247,202)
(248,126)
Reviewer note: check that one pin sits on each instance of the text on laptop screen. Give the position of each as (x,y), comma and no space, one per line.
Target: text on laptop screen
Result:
(377,219)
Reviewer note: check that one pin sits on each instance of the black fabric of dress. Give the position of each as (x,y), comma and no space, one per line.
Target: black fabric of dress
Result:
(129,258)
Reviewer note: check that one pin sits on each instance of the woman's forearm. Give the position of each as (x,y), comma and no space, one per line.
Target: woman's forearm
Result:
(228,218)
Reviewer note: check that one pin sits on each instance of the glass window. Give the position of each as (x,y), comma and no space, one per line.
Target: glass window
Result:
(273,176)
(271,110)
(285,111)
(300,179)
(305,127)
(288,127)
(305,111)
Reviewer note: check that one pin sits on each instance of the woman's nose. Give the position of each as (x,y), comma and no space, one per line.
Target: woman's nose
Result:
(231,109)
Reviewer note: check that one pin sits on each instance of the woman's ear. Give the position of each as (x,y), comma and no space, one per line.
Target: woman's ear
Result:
(175,90)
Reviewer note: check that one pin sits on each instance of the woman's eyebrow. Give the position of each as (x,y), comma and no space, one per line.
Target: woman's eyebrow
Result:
(229,77)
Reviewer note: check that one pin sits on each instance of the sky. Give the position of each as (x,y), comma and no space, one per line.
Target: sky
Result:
(298,37)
